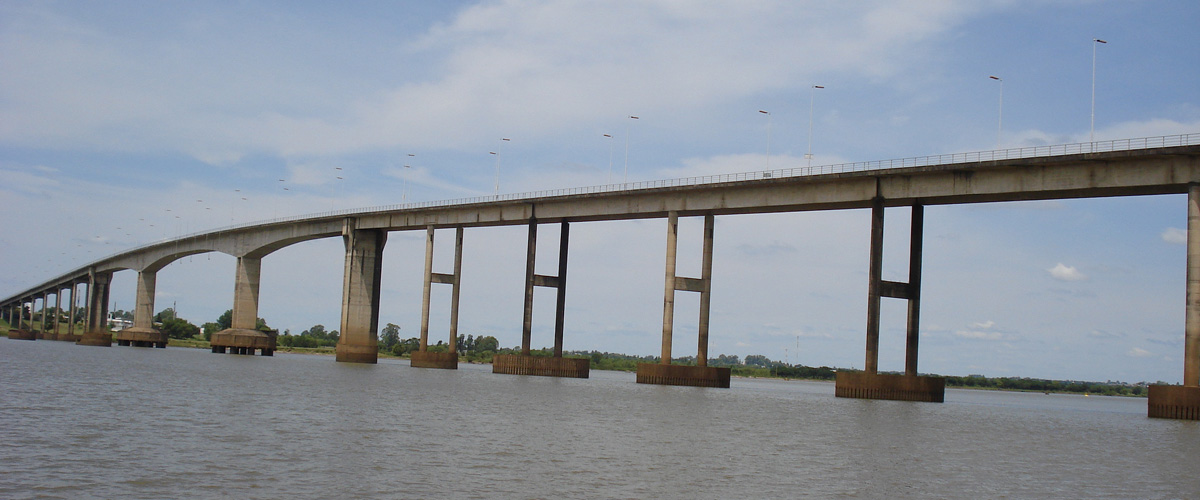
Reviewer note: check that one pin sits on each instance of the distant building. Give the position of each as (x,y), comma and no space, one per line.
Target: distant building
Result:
(118,324)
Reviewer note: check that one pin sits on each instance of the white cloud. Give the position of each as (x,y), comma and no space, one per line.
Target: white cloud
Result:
(978,335)
(1138,352)
(1174,235)
(529,67)
(1064,272)
(981,330)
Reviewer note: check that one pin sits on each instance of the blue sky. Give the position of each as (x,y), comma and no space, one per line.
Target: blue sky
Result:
(123,123)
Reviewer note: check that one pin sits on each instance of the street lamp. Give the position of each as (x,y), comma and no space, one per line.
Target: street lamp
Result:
(1000,125)
(1092,133)
(497,153)
(768,137)
(610,155)
(626,179)
(404,179)
(812,96)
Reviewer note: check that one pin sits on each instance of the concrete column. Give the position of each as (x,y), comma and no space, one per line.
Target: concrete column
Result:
(1191,343)
(669,288)
(97,313)
(874,286)
(458,246)
(359,342)
(914,288)
(143,312)
(45,301)
(245,294)
(74,297)
(143,333)
(560,305)
(57,309)
(98,302)
(706,293)
(424,344)
(530,260)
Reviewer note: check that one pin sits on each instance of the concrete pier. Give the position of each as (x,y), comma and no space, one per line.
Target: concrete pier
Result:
(243,335)
(359,341)
(1183,402)
(555,365)
(665,373)
(96,332)
(143,333)
(870,384)
(422,358)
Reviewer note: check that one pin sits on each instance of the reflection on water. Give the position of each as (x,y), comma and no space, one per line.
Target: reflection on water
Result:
(84,422)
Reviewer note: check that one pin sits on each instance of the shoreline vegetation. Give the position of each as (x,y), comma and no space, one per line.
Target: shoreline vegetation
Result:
(483,349)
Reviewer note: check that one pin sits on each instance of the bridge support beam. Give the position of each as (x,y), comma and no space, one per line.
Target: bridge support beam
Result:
(143,333)
(1183,402)
(423,358)
(664,373)
(870,384)
(556,365)
(96,332)
(359,342)
(243,336)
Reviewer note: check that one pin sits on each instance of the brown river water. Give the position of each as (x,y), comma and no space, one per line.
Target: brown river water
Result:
(92,422)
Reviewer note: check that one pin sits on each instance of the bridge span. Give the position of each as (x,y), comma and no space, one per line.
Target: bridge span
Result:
(1133,167)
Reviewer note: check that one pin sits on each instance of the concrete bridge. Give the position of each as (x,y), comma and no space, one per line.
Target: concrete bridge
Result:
(1133,167)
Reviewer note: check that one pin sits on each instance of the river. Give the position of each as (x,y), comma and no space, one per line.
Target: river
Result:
(91,422)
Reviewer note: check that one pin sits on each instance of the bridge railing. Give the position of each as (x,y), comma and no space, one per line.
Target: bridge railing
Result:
(918,161)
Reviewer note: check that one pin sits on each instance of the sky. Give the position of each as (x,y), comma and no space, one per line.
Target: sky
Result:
(126,122)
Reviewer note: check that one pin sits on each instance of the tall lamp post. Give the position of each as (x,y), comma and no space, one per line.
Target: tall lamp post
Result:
(610,156)
(768,137)
(812,97)
(497,153)
(404,181)
(1000,125)
(1092,133)
(625,180)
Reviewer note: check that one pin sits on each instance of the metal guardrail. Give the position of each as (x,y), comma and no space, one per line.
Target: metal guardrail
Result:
(918,161)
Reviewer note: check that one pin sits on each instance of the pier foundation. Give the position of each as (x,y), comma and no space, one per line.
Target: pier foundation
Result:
(1174,401)
(863,385)
(543,366)
(694,376)
(426,359)
(16,334)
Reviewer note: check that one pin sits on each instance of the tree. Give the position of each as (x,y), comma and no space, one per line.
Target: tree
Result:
(164,315)
(179,328)
(390,337)
(758,360)
(316,332)
(209,329)
(486,343)
(226,320)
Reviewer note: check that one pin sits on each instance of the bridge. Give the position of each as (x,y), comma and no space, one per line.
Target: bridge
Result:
(1131,167)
